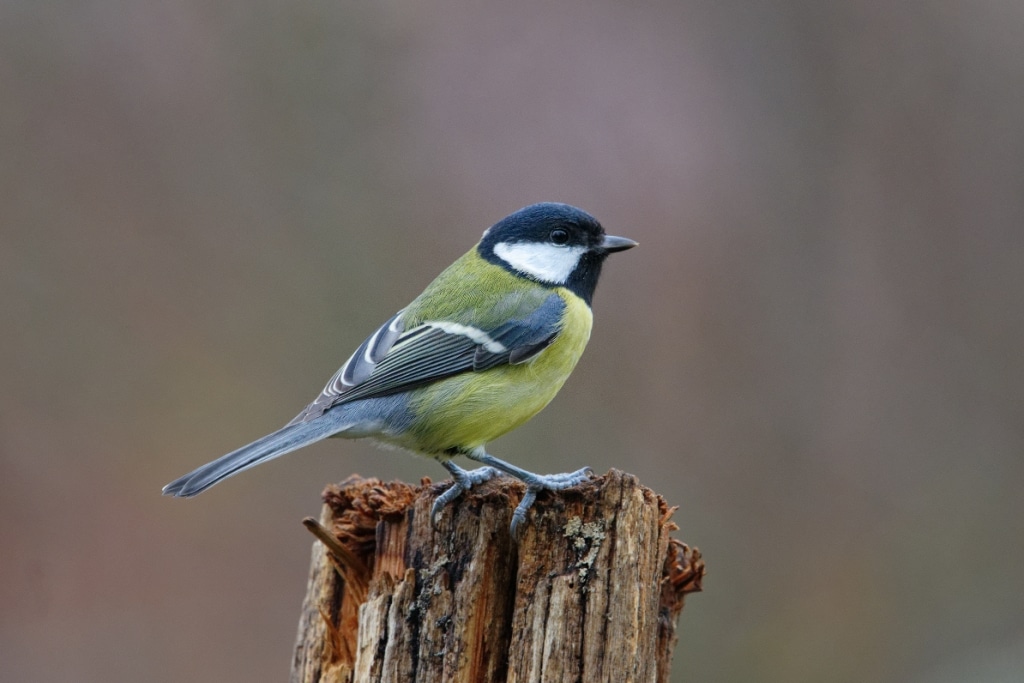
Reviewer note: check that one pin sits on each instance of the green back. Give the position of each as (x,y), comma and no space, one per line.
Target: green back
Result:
(474,292)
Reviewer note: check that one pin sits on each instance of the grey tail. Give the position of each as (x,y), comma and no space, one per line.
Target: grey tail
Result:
(284,440)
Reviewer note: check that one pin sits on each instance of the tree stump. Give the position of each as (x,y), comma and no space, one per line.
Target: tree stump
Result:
(591,592)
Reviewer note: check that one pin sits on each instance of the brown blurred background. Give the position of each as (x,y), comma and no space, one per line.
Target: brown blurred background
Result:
(816,351)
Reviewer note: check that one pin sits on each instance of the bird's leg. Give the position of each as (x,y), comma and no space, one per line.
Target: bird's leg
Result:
(534,482)
(463,480)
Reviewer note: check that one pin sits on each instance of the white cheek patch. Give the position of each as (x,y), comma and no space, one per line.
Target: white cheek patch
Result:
(546,262)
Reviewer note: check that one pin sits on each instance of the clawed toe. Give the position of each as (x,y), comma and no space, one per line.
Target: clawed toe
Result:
(564,480)
(519,514)
(450,494)
(549,482)
(462,481)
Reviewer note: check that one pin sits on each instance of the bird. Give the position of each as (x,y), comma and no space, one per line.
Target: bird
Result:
(485,347)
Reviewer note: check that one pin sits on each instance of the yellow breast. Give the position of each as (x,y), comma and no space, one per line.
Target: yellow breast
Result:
(471,409)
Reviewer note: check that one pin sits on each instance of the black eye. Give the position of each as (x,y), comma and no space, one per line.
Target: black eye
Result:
(559,236)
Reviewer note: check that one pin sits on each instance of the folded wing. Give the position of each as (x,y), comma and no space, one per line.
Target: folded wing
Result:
(393,359)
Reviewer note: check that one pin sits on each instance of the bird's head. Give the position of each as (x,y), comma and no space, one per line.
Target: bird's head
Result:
(553,244)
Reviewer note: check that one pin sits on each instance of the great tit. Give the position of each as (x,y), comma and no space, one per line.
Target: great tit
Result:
(483,349)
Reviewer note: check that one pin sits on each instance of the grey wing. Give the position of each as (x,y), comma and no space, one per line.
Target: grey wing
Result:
(356,369)
(394,360)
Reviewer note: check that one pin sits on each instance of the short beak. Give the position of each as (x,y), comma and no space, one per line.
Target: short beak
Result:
(612,243)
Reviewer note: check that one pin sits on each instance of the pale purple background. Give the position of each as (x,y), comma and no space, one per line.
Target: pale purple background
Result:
(816,351)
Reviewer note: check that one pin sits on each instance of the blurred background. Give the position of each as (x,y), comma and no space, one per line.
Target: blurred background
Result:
(816,352)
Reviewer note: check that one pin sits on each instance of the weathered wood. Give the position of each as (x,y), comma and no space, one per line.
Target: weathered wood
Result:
(591,592)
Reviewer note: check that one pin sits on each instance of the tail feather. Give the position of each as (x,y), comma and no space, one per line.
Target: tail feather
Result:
(284,440)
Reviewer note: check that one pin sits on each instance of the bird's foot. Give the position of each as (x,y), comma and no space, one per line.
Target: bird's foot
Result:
(544,482)
(535,483)
(463,480)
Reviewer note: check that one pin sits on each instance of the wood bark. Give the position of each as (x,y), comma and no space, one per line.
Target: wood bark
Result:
(591,592)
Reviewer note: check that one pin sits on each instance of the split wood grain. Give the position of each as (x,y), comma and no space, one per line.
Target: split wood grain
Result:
(591,592)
